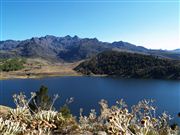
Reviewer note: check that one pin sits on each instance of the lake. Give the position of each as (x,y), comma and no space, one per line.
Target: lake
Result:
(88,91)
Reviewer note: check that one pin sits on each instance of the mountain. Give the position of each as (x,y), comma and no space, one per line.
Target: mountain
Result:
(130,65)
(71,49)
(8,44)
(129,47)
(176,50)
(54,48)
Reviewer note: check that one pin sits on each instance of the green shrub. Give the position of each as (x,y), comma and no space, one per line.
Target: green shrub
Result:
(12,64)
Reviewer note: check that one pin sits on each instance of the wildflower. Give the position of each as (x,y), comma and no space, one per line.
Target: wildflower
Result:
(154,120)
(125,110)
(147,118)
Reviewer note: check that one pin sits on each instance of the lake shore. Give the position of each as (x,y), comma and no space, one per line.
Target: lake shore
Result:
(44,75)
(38,74)
(39,69)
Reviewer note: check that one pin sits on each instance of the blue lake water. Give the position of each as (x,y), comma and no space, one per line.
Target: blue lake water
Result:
(88,91)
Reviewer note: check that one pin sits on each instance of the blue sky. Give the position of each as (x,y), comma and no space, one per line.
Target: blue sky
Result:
(153,24)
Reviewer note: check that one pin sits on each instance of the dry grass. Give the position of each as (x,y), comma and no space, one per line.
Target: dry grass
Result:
(35,68)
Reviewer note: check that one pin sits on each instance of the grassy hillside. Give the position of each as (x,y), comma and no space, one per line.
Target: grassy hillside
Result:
(130,65)
(35,68)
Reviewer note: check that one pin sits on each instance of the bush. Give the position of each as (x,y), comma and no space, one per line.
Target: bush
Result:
(12,64)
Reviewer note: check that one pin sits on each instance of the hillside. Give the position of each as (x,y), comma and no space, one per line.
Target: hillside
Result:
(130,65)
(71,49)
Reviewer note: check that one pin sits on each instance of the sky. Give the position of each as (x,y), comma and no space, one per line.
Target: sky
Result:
(152,24)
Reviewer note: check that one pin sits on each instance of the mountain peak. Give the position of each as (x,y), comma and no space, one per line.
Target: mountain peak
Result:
(75,37)
(68,37)
(49,36)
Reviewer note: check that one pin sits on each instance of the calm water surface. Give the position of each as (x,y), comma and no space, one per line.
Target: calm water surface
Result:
(88,91)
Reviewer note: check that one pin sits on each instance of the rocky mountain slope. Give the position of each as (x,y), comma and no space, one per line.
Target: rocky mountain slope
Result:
(70,49)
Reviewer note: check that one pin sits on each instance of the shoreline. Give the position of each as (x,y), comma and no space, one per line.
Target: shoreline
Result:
(55,74)
(36,76)
(44,75)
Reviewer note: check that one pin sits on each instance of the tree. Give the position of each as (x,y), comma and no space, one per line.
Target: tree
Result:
(42,100)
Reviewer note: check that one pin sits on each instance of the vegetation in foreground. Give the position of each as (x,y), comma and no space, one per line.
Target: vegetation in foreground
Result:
(130,65)
(37,116)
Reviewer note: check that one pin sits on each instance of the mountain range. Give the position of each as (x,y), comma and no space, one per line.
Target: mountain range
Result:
(70,49)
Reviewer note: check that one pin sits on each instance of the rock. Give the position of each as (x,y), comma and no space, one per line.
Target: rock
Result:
(4,110)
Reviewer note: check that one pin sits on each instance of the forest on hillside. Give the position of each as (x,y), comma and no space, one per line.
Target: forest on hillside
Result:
(130,65)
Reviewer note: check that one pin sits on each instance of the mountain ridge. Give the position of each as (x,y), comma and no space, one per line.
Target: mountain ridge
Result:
(72,49)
